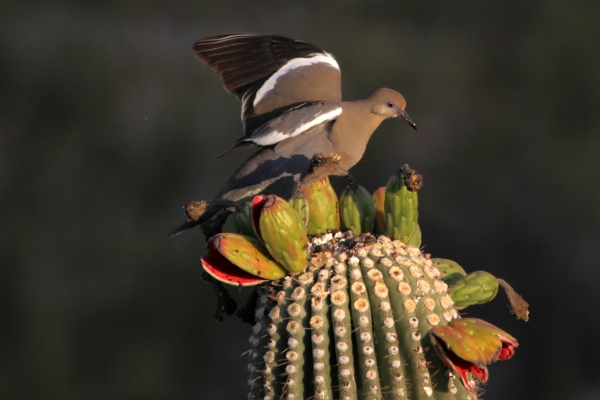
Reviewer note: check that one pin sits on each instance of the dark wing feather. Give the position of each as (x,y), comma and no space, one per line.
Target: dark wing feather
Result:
(244,58)
(245,61)
(239,145)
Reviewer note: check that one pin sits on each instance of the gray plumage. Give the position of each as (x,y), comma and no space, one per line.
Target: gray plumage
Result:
(291,108)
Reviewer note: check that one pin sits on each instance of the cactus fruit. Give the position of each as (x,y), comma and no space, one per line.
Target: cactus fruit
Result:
(476,288)
(379,202)
(243,222)
(323,209)
(239,260)
(401,202)
(368,316)
(357,210)
(450,270)
(300,204)
(282,232)
(460,353)
(497,344)
(469,344)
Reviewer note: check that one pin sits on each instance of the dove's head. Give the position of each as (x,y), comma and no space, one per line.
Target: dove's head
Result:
(389,104)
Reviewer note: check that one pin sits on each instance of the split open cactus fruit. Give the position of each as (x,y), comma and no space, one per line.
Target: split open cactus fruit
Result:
(239,260)
(352,314)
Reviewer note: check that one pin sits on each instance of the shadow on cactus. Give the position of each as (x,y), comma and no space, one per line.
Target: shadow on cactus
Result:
(356,313)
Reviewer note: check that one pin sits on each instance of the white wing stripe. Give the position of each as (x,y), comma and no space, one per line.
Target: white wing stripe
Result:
(294,63)
(276,136)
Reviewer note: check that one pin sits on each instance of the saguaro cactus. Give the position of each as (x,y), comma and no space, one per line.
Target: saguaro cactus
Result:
(365,316)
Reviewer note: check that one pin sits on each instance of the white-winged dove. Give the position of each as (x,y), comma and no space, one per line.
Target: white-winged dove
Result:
(292,108)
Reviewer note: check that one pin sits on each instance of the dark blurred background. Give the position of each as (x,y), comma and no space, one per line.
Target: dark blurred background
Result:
(108,125)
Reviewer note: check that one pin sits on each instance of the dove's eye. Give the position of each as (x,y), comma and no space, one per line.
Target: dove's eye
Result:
(390,104)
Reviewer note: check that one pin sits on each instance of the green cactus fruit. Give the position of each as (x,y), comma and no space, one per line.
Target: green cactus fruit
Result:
(496,343)
(283,233)
(240,260)
(415,238)
(460,353)
(478,287)
(322,207)
(300,204)
(243,222)
(450,270)
(357,210)
(379,202)
(401,203)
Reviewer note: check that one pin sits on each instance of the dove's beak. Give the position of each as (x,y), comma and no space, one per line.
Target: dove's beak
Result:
(402,114)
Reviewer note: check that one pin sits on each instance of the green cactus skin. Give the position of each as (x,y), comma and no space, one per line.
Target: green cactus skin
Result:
(300,204)
(478,287)
(450,270)
(379,202)
(320,326)
(357,210)
(243,222)
(275,354)
(259,339)
(322,207)
(385,294)
(412,283)
(393,382)
(369,384)
(401,213)
(284,234)
(298,338)
(342,333)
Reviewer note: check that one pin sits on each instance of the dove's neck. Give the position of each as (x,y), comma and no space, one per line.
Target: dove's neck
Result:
(352,131)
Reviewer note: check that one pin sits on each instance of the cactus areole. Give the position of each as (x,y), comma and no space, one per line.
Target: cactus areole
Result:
(345,315)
